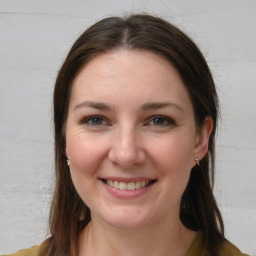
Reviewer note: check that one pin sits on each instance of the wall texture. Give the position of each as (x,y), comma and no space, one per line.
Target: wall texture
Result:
(34,38)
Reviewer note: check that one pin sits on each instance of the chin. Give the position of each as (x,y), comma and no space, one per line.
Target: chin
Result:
(126,224)
(125,219)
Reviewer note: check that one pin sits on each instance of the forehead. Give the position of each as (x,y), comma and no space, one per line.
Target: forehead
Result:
(128,62)
(136,74)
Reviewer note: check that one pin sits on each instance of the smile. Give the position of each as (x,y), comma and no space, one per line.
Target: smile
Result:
(127,185)
(124,188)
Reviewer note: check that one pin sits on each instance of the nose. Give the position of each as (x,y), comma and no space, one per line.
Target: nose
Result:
(126,151)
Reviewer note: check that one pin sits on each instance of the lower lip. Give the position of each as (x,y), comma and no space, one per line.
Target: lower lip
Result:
(127,194)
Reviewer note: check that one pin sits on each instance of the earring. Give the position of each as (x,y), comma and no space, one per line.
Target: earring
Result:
(68,160)
(197,161)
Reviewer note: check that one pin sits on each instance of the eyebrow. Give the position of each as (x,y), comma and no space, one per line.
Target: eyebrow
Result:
(92,104)
(158,105)
(145,107)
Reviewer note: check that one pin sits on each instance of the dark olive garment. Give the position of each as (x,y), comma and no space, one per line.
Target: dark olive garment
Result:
(38,250)
(227,249)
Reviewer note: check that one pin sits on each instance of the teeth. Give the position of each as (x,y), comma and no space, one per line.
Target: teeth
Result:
(131,186)
(116,184)
(122,186)
(137,186)
(128,186)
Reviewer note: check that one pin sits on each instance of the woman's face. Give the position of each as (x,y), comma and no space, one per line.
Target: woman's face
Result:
(132,138)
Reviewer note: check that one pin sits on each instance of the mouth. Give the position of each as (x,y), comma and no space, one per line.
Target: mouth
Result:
(128,186)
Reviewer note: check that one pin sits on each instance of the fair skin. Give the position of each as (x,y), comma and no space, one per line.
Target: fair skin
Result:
(132,139)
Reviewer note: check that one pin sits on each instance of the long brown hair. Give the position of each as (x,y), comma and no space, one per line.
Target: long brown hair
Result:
(198,209)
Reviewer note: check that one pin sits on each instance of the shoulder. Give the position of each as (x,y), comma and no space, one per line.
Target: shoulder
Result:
(38,250)
(229,249)
(225,249)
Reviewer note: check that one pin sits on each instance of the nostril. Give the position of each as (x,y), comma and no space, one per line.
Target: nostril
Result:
(127,157)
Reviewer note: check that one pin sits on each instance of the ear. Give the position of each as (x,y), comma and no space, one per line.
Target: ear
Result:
(67,154)
(202,139)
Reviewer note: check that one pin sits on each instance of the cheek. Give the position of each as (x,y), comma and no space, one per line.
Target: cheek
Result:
(86,157)
(172,154)
(173,162)
(85,153)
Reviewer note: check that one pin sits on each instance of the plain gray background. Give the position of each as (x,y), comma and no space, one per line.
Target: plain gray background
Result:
(36,35)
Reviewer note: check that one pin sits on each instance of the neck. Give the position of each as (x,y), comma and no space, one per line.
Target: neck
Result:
(100,239)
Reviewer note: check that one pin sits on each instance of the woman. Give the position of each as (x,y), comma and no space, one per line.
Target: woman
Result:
(135,112)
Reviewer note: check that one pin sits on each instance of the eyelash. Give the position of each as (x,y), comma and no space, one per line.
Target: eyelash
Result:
(88,120)
(164,121)
(167,121)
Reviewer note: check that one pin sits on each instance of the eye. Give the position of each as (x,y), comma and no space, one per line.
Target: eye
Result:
(94,121)
(161,121)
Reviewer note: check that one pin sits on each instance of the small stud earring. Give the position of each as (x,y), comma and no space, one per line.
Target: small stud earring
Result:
(68,160)
(197,161)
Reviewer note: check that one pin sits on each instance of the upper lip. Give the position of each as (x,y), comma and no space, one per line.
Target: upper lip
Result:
(127,180)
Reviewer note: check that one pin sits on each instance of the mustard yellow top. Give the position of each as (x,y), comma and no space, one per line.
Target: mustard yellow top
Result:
(227,249)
